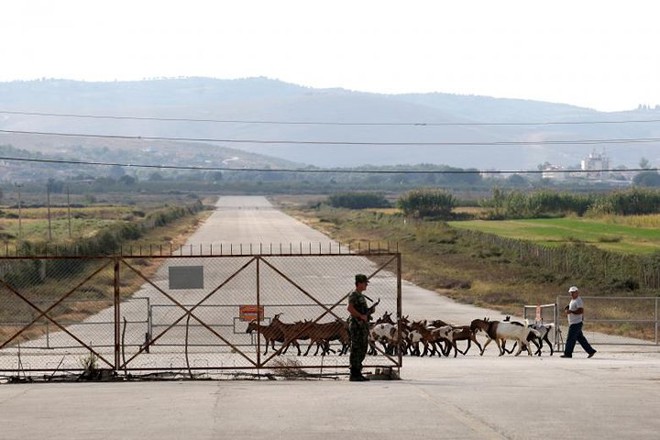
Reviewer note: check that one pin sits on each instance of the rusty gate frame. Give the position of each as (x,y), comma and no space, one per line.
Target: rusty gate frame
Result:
(118,365)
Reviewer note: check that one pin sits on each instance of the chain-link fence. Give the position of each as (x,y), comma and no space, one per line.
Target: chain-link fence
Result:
(197,314)
(611,320)
(617,320)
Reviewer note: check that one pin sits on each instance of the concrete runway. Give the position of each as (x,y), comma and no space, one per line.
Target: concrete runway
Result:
(616,394)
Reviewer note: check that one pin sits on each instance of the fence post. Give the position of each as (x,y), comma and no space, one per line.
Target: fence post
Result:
(117,314)
(150,328)
(259,317)
(399,300)
(558,344)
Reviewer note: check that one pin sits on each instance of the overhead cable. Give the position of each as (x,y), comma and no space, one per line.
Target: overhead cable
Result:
(359,123)
(297,142)
(315,170)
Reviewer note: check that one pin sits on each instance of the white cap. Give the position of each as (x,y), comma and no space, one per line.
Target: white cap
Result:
(572,289)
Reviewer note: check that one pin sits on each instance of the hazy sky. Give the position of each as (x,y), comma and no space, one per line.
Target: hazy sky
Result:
(600,54)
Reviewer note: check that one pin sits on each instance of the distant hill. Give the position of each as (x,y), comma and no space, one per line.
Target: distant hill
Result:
(320,125)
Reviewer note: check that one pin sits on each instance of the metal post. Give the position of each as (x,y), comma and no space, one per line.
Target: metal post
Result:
(150,324)
(117,315)
(399,301)
(20,216)
(50,234)
(259,318)
(68,207)
(656,320)
(556,317)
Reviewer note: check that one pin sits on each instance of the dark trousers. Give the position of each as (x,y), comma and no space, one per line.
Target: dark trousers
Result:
(575,335)
(359,332)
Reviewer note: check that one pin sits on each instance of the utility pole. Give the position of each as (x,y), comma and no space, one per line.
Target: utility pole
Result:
(68,207)
(50,234)
(20,217)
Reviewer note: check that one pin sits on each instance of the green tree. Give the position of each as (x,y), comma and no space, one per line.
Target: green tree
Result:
(215,176)
(358,200)
(127,180)
(422,203)
(116,172)
(516,180)
(648,179)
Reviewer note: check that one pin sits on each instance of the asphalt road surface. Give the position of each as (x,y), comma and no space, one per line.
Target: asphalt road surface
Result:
(614,395)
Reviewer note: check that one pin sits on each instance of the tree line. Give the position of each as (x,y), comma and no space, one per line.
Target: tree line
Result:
(518,204)
(510,204)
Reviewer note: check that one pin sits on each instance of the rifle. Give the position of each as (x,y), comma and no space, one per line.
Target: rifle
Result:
(372,309)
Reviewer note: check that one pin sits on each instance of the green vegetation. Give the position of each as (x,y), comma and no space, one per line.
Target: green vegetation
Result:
(104,230)
(648,179)
(359,200)
(423,203)
(558,231)
(518,204)
(504,264)
(87,231)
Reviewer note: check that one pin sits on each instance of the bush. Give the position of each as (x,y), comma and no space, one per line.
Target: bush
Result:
(519,204)
(648,179)
(358,200)
(427,203)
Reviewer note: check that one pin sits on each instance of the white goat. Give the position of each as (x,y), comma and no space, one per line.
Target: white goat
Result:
(501,331)
(388,335)
(543,330)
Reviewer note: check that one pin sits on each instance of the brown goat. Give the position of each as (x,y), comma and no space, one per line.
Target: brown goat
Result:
(292,333)
(323,334)
(464,333)
(269,332)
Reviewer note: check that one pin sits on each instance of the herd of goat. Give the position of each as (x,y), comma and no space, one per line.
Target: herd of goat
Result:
(416,338)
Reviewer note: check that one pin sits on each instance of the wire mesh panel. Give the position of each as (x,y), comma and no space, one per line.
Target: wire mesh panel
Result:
(228,312)
(191,313)
(308,299)
(545,319)
(55,313)
(618,320)
(187,312)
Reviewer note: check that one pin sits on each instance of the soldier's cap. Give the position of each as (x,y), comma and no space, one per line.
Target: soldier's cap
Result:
(361,278)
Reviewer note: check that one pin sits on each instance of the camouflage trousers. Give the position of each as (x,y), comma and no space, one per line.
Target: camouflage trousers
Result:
(359,331)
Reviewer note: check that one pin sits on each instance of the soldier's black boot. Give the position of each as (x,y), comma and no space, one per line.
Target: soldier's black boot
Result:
(356,376)
(363,378)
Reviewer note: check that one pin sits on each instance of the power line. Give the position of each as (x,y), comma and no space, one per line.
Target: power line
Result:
(294,142)
(269,122)
(315,170)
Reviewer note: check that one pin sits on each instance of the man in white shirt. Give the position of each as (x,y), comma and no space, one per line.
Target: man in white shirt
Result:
(574,312)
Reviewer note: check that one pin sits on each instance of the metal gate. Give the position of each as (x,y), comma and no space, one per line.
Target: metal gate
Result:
(618,320)
(197,315)
(609,320)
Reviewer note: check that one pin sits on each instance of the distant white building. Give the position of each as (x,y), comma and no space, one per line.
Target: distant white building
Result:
(553,172)
(595,164)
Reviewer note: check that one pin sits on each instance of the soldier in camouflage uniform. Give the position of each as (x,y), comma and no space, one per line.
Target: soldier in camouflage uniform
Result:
(358,326)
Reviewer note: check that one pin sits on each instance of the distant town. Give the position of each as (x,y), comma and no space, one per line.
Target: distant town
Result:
(594,167)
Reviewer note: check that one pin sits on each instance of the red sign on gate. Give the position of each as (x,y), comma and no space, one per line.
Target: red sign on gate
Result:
(250,312)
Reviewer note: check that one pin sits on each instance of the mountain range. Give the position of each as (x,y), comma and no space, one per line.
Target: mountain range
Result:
(266,122)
